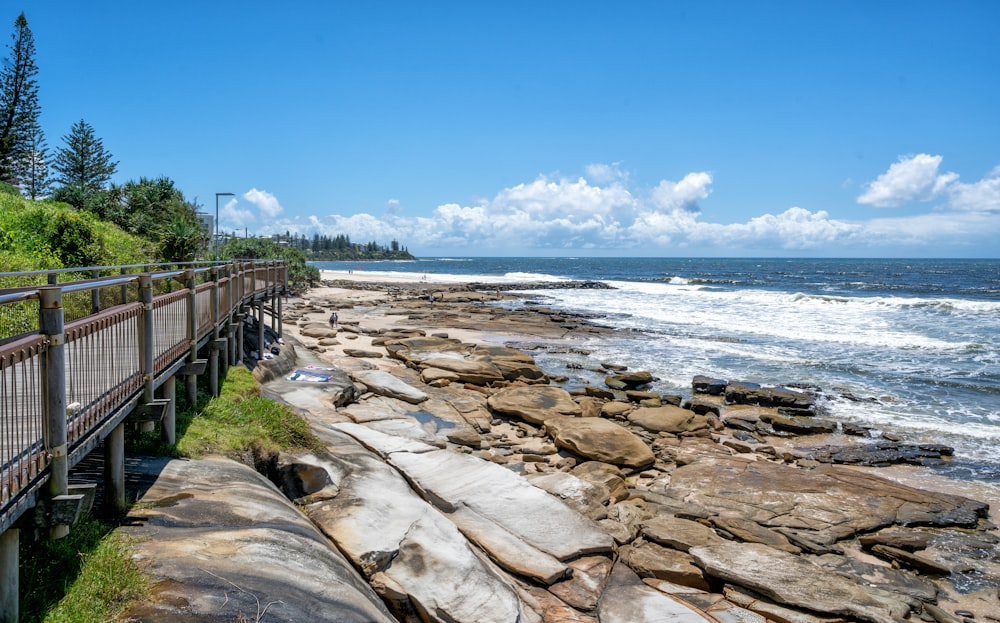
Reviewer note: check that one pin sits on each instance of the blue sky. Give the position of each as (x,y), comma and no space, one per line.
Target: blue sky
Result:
(868,129)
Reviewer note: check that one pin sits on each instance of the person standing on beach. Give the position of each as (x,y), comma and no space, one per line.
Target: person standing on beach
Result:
(333,320)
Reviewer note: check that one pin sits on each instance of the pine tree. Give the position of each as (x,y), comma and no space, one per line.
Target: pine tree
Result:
(19,108)
(83,164)
(32,168)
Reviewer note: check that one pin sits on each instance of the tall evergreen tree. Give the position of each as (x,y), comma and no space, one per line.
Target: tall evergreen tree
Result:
(19,108)
(83,164)
(32,167)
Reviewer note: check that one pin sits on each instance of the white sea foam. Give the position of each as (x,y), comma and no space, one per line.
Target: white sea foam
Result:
(516,277)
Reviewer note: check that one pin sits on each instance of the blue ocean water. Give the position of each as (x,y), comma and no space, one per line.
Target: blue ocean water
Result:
(908,346)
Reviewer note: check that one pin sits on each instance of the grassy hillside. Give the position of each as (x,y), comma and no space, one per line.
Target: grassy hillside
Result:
(42,235)
(38,235)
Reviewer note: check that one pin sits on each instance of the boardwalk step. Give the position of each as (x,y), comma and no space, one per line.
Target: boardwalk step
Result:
(150,412)
(195,367)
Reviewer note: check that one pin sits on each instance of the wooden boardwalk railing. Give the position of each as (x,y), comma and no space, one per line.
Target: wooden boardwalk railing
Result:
(73,371)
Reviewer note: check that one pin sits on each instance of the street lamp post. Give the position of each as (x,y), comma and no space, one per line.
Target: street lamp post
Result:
(216,238)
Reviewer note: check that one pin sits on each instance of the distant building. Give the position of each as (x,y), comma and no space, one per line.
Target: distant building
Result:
(207,222)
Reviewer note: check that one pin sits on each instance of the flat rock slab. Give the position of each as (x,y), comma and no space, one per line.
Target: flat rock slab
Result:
(682,534)
(599,440)
(626,599)
(585,496)
(451,480)
(206,527)
(385,384)
(835,501)
(793,580)
(468,370)
(414,556)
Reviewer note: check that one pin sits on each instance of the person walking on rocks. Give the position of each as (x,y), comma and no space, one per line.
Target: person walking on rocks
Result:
(333,320)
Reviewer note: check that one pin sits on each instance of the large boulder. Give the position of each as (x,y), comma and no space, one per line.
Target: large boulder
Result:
(600,440)
(668,419)
(629,380)
(534,405)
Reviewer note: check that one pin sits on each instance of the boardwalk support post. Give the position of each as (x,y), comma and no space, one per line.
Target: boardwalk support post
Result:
(9,586)
(170,415)
(260,330)
(239,333)
(114,469)
(54,395)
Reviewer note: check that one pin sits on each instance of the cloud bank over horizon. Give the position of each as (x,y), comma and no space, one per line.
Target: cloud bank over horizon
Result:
(603,213)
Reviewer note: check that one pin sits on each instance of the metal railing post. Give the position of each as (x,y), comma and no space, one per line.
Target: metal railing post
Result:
(273,287)
(192,334)
(146,344)
(53,368)
(226,316)
(213,350)
(124,300)
(95,294)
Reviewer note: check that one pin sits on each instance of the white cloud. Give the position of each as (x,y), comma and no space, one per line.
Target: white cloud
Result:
(550,215)
(230,216)
(604,173)
(794,229)
(983,196)
(914,178)
(265,202)
(684,194)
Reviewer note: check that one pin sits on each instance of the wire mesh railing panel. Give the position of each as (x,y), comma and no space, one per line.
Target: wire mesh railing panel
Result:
(203,308)
(22,452)
(225,286)
(18,319)
(102,367)
(170,339)
(249,282)
(260,279)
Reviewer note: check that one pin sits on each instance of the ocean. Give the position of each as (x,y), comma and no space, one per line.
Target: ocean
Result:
(910,347)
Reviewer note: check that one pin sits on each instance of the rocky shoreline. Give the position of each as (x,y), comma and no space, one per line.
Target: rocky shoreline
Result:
(464,483)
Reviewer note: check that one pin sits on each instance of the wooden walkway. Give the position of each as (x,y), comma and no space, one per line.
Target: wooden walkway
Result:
(71,384)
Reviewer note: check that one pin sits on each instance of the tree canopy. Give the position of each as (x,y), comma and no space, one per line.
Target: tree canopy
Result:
(19,107)
(83,163)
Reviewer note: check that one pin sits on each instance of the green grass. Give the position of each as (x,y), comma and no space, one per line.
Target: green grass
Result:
(236,424)
(85,577)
